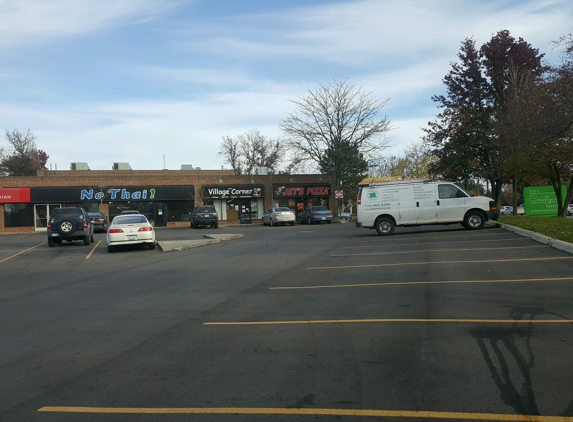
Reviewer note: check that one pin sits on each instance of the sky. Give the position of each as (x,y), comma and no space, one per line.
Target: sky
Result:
(159,83)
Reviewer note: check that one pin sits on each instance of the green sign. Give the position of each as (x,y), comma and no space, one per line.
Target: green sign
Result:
(540,201)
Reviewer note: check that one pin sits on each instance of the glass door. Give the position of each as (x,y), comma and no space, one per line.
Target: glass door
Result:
(41,214)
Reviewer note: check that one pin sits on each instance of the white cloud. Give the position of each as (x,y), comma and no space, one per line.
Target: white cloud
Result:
(40,21)
(355,33)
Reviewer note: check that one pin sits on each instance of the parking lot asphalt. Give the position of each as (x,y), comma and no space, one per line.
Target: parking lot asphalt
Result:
(289,323)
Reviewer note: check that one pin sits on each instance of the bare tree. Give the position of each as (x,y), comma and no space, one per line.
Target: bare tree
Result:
(22,158)
(245,152)
(229,150)
(339,127)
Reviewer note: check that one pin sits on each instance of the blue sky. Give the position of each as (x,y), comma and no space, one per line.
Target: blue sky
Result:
(136,80)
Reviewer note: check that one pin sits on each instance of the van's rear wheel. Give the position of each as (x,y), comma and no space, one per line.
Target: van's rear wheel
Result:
(474,220)
(385,226)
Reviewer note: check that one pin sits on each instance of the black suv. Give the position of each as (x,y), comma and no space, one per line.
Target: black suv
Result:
(70,224)
(205,215)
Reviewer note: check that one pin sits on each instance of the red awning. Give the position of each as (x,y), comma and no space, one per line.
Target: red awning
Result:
(14,195)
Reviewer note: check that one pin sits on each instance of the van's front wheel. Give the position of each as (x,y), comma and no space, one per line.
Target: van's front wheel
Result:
(384,226)
(474,220)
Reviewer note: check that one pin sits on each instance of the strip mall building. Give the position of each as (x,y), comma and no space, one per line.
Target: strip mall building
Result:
(164,196)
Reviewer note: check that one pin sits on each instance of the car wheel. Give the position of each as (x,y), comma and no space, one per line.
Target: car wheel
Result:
(110,249)
(292,223)
(308,221)
(152,246)
(328,221)
(216,225)
(66,227)
(385,226)
(272,224)
(51,243)
(92,238)
(474,220)
(86,240)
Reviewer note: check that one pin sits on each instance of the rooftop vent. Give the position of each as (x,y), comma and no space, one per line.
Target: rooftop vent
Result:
(121,166)
(79,166)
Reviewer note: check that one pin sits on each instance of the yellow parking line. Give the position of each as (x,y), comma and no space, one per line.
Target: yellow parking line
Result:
(20,253)
(309,411)
(440,250)
(93,249)
(490,261)
(413,283)
(399,320)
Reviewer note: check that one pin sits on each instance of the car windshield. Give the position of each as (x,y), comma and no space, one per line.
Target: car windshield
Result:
(95,215)
(129,219)
(206,209)
(283,209)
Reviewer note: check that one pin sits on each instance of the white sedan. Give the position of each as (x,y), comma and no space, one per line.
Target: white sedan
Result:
(280,215)
(130,229)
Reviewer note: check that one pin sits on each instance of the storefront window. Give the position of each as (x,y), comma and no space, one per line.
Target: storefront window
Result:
(18,215)
(176,209)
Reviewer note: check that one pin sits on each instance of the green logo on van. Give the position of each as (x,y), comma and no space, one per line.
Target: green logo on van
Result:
(373,194)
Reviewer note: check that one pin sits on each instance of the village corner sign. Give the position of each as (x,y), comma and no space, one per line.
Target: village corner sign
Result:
(231,192)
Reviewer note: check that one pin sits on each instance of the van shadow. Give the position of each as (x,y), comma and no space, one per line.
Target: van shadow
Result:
(509,367)
(429,229)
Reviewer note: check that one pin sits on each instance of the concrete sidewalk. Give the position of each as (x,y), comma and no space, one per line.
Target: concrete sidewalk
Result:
(179,245)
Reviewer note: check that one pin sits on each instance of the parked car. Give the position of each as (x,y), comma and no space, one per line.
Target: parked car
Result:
(186,217)
(521,210)
(570,209)
(130,229)
(345,215)
(280,215)
(315,214)
(124,212)
(506,210)
(204,215)
(69,224)
(100,221)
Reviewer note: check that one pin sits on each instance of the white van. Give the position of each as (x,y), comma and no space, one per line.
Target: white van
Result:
(383,205)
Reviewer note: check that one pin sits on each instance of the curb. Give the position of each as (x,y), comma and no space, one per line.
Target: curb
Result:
(209,239)
(554,243)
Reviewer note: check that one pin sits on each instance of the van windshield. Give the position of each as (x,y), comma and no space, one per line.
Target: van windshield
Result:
(463,190)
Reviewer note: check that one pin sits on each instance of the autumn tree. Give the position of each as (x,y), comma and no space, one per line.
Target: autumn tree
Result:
(462,135)
(339,127)
(22,157)
(540,115)
(245,152)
